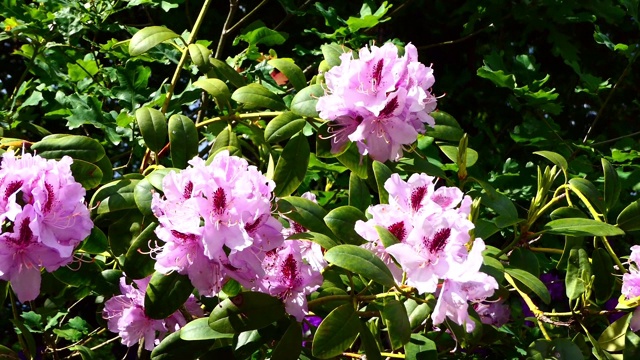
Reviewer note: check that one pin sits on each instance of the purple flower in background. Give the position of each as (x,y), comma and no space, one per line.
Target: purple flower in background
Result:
(43,217)
(380,101)
(493,313)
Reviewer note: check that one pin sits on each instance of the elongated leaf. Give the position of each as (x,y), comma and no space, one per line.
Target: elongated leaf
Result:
(502,205)
(354,161)
(530,282)
(420,347)
(613,337)
(629,218)
(567,212)
(257,96)
(382,173)
(244,312)
(153,127)
(305,212)
(142,194)
(226,72)
(117,195)
(342,221)
(446,128)
(604,281)
(106,167)
(156,177)
(226,140)
(612,185)
(578,270)
(183,138)
(200,56)
(199,329)
(291,71)
(165,294)
(77,146)
(149,37)
(336,332)
(581,227)
(304,103)
(369,342)
(173,347)
(555,158)
(418,313)
(290,345)
(493,267)
(138,264)
(27,336)
(8,354)
(216,88)
(332,52)
(589,191)
(283,127)
(96,243)
(358,193)
(87,174)
(452,153)
(386,236)
(292,166)
(526,260)
(323,240)
(360,261)
(395,318)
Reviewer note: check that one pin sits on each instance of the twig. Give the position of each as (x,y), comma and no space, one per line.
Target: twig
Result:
(451,42)
(233,6)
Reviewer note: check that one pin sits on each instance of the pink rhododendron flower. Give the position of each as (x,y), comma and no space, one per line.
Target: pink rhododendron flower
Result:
(44,217)
(380,101)
(125,316)
(631,285)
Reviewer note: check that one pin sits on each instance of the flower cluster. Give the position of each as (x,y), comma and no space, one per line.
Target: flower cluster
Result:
(380,100)
(631,285)
(216,223)
(432,228)
(43,219)
(125,315)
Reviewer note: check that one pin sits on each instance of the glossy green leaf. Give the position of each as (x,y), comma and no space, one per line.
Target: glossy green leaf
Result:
(613,337)
(172,347)
(106,167)
(629,218)
(359,196)
(8,354)
(530,282)
(446,127)
(578,270)
(452,153)
(292,166)
(555,158)
(612,186)
(226,140)
(526,260)
(283,127)
(325,143)
(289,68)
(332,52)
(199,55)
(369,343)
(336,332)
(355,162)
(492,267)
(290,345)
(78,278)
(417,313)
(216,88)
(142,194)
(604,280)
(262,35)
(153,127)
(199,329)
(382,173)
(342,221)
(386,237)
(87,174)
(246,311)
(396,320)
(589,191)
(581,227)
(631,346)
(138,263)
(96,242)
(257,96)
(420,347)
(570,242)
(156,177)
(183,139)
(304,103)
(502,205)
(321,239)
(28,338)
(77,146)
(305,212)
(360,261)
(165,294)
(149,37)
(226,72)
(567,212)
(117,195)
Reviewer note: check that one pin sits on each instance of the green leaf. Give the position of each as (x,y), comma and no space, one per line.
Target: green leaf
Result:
(305,212)
(342,221)
(578,270)
(106,167)
(360,261)
(85,352)
(369,343)
(200,56)
(581,227)
(586,188)
(336,332)
(613,337)
(418,313)
(114,196)
(183,137)
(28,338)
(386,236)
(226,72)
(172,347)
(149,37)
(604,281)
(216,88)
(359,196)
(612,186)
(225,140)
(492,266)
(156,177)
(395,318)
(257,96)
(165,294)
(289,68)
(452,153)
(629,218)
(332,52)
(283,127)
(355,162)
(87,174)
(304,103)
(199,329)
(153,127)
(446,127)
(567,212)
(420,347)
(138,264)
(631,346)
(292,165)
(263,35)
(244,312)
(382,173)
(530,282)
(96,243)
(290,345)
(77,146)
(526,260)
(498,77)
(555,158)
(143,194)
(321,239)
(502,205)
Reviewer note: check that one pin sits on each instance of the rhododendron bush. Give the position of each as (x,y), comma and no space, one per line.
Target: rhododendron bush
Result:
(288,179)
